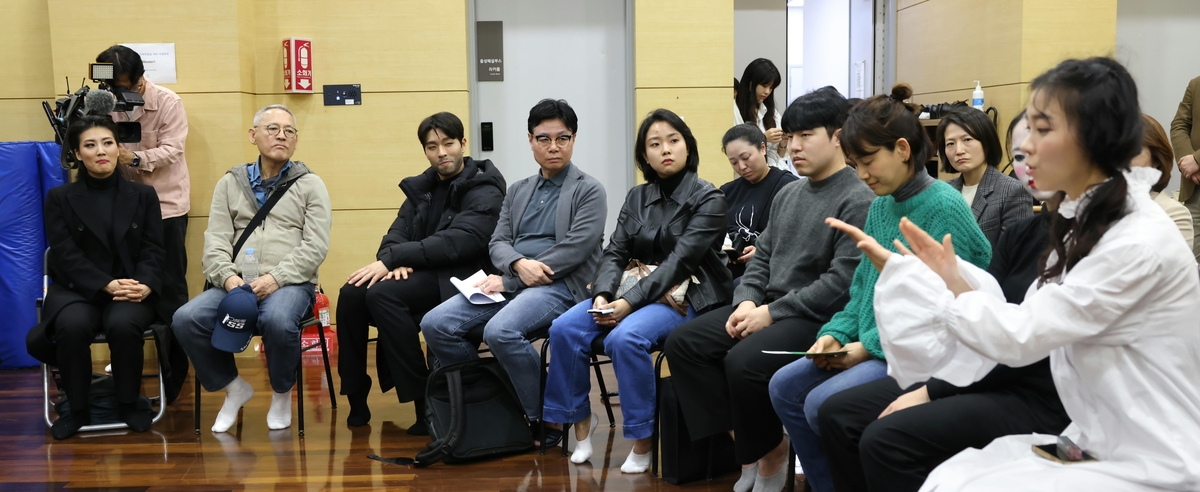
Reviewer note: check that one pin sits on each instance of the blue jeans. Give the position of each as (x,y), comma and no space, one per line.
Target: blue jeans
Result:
(279,317)
(797,392)
(628,345)
(506,326)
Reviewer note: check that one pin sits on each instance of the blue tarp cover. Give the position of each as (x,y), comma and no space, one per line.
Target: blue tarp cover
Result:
(27,171)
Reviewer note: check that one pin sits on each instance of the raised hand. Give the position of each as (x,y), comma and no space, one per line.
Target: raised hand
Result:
(869,246)
(939,257)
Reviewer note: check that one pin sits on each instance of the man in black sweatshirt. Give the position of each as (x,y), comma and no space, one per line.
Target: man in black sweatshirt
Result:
(798,279)
(441,231)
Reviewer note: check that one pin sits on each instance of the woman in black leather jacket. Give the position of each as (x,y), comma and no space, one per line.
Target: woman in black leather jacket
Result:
(676,222)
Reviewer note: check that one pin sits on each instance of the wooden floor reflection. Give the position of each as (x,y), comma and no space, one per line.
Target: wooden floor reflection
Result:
(330,456)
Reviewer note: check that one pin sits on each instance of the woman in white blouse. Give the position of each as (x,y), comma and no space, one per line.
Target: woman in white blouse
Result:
(754,103)
(1114,306)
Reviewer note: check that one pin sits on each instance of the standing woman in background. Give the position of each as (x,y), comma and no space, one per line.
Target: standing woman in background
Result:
(970,146)
(106,258)
(754,103)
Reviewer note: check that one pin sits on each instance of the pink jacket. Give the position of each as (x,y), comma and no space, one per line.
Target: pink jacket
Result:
(164,131)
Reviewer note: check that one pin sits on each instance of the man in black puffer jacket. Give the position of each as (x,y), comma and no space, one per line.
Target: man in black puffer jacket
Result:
(441,231)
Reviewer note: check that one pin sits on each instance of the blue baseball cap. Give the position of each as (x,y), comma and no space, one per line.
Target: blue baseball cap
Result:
(236,317)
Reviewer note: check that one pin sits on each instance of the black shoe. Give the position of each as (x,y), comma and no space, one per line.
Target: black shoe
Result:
(360,413)
(137,419)
(66,426)
(418,429)
(553,436)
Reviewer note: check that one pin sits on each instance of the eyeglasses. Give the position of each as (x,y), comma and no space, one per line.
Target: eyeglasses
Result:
(544,140)
(273,130)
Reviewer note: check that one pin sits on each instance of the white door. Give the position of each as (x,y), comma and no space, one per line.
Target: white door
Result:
(575,50)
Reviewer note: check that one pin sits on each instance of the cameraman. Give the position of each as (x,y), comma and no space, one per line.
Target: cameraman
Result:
(157,161)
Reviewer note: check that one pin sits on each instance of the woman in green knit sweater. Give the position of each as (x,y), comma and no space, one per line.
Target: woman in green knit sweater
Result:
(888,146)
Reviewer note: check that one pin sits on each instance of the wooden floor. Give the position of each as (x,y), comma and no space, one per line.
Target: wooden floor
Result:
(331,455)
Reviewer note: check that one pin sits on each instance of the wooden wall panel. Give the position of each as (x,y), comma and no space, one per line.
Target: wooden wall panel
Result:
(410,46)
(683,43)
(25,36)
(707,113)
(205,33)
(1055,30)
(940,45)
(362,152)
(24,119)
(217,141)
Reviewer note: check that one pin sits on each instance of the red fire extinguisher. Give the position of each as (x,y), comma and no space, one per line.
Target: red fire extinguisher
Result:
(321,309)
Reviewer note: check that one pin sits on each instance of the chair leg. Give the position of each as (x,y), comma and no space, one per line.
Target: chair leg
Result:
(604,394)
(654,429)
(542,396)
(196,380)
(328,371)
(566,428)
(791,468)
(300,394)
(46,394)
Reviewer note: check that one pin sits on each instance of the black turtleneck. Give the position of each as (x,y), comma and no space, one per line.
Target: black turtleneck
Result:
(102,193)
(669,184)
(920,181)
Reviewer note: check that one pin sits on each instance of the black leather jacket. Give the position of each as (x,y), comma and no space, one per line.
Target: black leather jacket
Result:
(681,233)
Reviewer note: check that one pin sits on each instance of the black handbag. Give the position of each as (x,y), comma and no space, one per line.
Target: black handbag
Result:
(473,413)
(685,460)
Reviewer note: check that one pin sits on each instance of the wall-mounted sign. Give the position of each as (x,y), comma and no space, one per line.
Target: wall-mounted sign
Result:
(489,50)
(159,60)
(297,65)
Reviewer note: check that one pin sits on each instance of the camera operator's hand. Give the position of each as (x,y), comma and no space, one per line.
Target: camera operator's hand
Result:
(125,157)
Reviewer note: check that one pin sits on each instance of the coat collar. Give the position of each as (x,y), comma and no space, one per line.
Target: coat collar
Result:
(123,210)
(681,192)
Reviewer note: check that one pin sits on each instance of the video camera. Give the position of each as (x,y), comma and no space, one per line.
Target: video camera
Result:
(107,97)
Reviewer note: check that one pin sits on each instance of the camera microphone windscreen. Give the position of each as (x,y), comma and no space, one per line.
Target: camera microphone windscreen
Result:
(99,102)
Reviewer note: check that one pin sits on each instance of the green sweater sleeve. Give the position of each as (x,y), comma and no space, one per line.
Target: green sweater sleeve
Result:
(844,325)
(942,213)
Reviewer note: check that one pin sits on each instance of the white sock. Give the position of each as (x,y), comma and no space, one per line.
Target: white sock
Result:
(799,469)
(636,463)
(583,449)
(237,393)
(280,414)
(745,483)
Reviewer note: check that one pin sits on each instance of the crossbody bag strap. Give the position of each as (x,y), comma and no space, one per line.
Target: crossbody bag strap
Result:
(256,221)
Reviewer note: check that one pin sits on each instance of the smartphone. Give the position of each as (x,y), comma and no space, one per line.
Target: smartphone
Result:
(601,311)
(1052,453)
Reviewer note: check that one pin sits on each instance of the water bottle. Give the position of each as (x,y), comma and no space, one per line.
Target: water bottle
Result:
(249,266)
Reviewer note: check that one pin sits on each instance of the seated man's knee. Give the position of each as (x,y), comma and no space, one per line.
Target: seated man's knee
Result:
(74,327)
(878,442)
(497,334)
(277,323)
(350,293)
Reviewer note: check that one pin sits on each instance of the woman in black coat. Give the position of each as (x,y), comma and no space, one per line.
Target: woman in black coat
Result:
(106,255)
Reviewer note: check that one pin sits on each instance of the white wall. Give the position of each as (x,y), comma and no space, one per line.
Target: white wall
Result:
(577,54)
(862,48)
(760,31)
(826,45)
(1157,41)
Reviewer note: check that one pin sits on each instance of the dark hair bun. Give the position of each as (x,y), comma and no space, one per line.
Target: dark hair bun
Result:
(901,92)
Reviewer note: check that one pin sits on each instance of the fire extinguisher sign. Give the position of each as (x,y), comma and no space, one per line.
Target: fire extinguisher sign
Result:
(297,65)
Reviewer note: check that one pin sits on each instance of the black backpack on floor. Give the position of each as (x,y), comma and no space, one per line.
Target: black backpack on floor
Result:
(473,412)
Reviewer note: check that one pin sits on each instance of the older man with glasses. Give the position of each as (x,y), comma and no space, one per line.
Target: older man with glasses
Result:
(545,249)
(289,245)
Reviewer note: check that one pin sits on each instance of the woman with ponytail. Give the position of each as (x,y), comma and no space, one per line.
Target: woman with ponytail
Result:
(1113,306)
(889,148)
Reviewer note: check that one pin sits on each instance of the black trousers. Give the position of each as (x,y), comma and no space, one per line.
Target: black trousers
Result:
(897,452)
(394,307)
(722,382)
(174,291)
(122,324)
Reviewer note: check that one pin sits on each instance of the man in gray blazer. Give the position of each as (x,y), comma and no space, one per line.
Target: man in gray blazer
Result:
(546,247)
